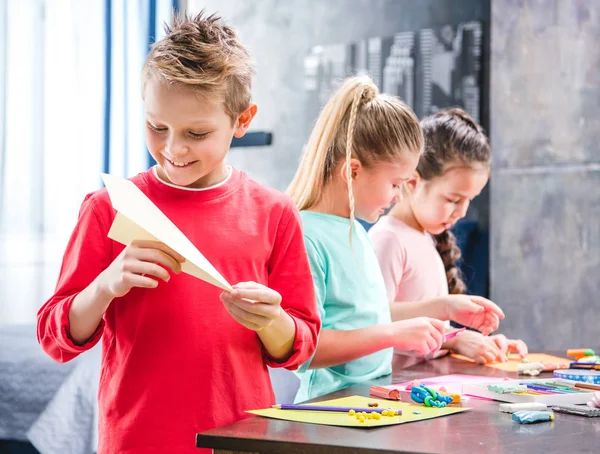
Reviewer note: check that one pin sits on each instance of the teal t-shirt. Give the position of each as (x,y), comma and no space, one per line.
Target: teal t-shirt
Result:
(350,293)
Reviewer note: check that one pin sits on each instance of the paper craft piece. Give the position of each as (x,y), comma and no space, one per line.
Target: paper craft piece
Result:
(453,384)
(513,361)
(139,219)
(344,419)
(452,334)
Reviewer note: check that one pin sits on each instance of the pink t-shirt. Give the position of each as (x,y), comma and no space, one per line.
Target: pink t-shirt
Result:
(411,265)
(412,271)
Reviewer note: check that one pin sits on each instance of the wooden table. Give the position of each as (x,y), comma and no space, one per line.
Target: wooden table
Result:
(482,429)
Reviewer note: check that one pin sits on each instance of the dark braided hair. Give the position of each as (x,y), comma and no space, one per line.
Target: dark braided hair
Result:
(451,135)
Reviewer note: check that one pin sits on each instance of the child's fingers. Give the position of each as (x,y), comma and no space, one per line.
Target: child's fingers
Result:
(427,346)
(244,323)
(518,346)
(247,318)
(487,305)
(159,257)
(147,268)
(270,311)
(490,351)
(249,285)
(502,344)
(484,357)
(480,359)
(490,324)
(252,307)
(264,295)
(438,337)
(146,244)
(491,357)
(439,326)
(137,280)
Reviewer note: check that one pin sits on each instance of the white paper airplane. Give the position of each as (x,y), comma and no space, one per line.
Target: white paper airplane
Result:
(139,219)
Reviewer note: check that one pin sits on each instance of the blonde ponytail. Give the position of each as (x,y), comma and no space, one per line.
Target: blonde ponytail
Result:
(320,157)
(357,122)
(349,140)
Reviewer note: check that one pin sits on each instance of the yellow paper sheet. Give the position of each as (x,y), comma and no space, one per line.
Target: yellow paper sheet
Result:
(514,361)
(139,219)
(331,418)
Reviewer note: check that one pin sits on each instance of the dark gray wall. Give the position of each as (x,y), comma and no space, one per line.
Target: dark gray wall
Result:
(545,188)
(544,124)
(279,35)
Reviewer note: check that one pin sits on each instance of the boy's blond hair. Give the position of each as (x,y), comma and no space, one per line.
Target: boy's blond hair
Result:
(203,53)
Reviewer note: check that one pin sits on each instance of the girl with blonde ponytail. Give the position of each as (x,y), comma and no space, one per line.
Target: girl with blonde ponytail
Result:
(364,146)
(416,249)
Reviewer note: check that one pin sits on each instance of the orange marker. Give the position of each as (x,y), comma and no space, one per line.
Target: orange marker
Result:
(580,353)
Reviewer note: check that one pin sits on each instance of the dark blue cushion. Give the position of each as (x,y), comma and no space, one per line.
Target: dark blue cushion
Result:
(474,263)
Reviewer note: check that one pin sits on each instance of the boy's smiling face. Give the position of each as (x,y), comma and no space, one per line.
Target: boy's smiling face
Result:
(189,135)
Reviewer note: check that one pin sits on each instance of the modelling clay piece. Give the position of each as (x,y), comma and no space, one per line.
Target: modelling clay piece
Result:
(507,387)
(529,417)
(532,369)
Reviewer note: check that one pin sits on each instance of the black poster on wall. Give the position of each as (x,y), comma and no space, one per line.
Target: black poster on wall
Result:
(429,69)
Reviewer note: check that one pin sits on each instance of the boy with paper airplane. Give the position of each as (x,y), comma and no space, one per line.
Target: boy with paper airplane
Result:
(183,350)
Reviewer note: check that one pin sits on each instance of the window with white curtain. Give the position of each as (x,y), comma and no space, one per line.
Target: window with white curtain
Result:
(54,125)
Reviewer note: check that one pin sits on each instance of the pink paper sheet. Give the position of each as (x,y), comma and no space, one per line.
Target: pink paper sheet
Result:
(453,383)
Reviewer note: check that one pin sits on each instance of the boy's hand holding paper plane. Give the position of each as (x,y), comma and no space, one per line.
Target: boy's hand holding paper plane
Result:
(140,263)
(139,219)
(155,245)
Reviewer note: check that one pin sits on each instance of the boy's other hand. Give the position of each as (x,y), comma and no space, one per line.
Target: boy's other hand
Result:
(253,305)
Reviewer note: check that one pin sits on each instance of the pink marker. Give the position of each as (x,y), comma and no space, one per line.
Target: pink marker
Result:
(453,334)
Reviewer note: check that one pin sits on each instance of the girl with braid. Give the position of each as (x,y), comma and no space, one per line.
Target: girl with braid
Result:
(414,245)
(364,146)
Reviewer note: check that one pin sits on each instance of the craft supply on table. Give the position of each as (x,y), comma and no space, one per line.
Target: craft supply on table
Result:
(578,353)
(580,375)
(370,417)
(530,417)
(455,397)
(507,387)
(385,392)
(532,369)
(550,362)
(585,365)
(452,334)
(578,384)
(588,360)
(579,410)
(446,384)
(331,408)
(548,391)
(429,397)
(531,406)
